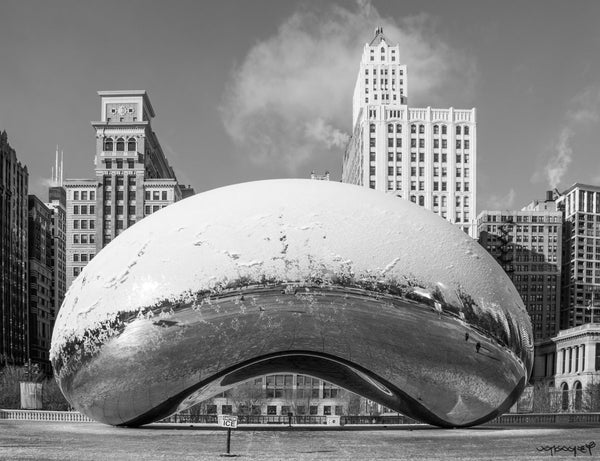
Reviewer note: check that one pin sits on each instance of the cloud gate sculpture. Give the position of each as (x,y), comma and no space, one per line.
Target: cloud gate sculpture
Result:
(340,282)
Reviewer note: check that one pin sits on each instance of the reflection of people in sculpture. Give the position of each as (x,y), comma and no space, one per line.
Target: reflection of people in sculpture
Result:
(477,347)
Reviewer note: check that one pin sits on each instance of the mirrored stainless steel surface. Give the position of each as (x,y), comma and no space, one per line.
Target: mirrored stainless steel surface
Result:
(427,348)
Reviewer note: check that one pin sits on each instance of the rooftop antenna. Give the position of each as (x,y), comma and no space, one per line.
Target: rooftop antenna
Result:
(61,167)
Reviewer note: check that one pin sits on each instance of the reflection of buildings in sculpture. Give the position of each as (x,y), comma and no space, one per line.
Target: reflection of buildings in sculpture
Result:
(13,256)
(526,244)
(581,262)
(133,178)
(424,155)
(41,282)
(319,177)
(278,395)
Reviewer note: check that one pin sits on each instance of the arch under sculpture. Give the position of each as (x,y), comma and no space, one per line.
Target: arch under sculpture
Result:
(359,288)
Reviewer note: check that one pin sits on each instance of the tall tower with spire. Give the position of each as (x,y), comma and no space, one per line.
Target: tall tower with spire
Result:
(425,155)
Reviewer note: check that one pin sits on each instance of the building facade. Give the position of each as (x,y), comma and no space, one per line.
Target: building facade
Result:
(577,367)
(580,295)
(280,394)
(424,155)
(13,256)
(132,178)
(57,204)
(41,283)
(526,244)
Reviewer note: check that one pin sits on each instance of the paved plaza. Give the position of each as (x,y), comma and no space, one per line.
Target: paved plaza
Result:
(28,440)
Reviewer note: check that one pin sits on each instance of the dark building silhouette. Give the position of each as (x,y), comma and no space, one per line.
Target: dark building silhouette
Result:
(13,256)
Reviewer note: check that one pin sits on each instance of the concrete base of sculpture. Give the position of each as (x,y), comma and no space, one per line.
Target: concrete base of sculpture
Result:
(300,277)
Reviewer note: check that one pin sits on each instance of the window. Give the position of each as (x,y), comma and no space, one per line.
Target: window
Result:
(84,224)
(75,238)
(313,410)
(421,129)
(84,195)
(84,257)
(326,409)
(76,209)
(444,129)
(84,238)
(457,129)
(226,409)
(436,129)
(92,196)
(84,209)
(120,145)
(76,224)
(131,145)
(76,257)
(155,195)
(413,128)
(92,209)
(76,271)
(92,239)
(398,128)
(466,130)
(271,409)
(421,200)
(421,143)
(436,143)
(108,144)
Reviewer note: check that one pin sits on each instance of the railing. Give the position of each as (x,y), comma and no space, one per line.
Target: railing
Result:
(506,419)
(38,415)
(547,418)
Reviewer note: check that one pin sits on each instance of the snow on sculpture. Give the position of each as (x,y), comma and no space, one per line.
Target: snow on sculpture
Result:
(343,283)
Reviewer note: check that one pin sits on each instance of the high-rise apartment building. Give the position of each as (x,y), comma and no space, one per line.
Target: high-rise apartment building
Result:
(580,295)
(526,244)
(424,155)
(41,282)
(13,256)
(57,205)
(132,178)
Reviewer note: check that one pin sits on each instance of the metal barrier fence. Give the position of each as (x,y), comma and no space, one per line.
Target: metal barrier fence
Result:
(506,419)
(40,415)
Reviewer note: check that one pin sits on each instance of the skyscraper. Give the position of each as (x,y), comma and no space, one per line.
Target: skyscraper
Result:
(13,256)
(425,155)
(526,244)
(580,295)
(132,178)
(41,282)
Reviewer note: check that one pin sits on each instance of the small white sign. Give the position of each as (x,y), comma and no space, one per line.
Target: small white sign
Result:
(228,421)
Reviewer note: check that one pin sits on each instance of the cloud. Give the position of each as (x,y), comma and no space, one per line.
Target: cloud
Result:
(290,100)
(557,165)
(505,202)
(585,112)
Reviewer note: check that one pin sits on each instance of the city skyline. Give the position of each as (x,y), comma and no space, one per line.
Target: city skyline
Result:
(212,68)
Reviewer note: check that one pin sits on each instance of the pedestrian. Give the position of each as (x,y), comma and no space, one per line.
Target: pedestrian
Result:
(477,347)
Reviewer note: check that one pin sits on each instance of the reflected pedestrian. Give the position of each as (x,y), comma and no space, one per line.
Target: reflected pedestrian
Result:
(477,347)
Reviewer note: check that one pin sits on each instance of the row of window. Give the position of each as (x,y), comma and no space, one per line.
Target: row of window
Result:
(83,195)
(84,209)
(84,224)
(110,144)
(523,218)
(384,71)
(155,195)
(84,238)
(82,257)
(391,128)
(119,164)
(273,410)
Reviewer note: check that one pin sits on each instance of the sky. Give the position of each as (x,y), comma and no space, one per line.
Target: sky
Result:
(246,90)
